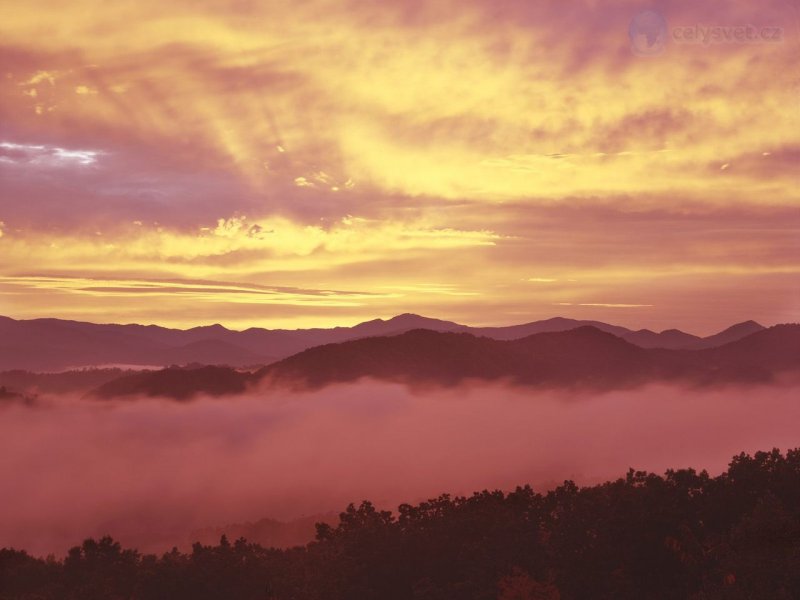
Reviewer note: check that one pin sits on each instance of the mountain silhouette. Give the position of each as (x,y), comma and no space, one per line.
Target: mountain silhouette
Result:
(584,357)
(670,338)
(769,350)
(177,383)
(423,356)
(731,334)
(55,344)
(555,324)
(404,322)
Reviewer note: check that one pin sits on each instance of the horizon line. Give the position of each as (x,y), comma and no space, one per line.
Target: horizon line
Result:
(388,319)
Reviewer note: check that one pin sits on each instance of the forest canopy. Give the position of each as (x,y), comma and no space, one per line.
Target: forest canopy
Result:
(681,535)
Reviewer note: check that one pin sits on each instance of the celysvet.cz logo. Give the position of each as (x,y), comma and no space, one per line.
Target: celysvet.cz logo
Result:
(649,34)
(727,34)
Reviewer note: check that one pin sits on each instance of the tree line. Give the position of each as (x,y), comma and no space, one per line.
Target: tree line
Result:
(681,535)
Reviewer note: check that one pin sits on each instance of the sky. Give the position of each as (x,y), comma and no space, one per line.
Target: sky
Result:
(320,163)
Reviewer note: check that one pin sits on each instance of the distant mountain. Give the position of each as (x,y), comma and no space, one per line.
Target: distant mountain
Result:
(54,344)
(731,334)
(765,351)
(422,356)
(584,358)
(513,332)
(670,338)
(177,383)
(402,323)
(59,383)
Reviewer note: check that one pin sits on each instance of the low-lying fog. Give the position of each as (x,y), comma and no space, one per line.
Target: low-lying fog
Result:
(150,471)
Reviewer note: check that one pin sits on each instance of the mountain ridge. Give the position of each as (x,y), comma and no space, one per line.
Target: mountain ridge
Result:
(50,344)
(584,357)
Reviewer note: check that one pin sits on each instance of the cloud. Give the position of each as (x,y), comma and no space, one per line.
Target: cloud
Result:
(192,291)
(458,92)
(604,304)
(478,141)
(47,156)
(701,270)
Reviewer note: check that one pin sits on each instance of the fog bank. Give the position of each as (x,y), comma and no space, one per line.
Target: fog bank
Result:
(150,471)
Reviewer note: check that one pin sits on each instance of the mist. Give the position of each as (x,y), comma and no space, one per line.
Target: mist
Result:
(150,471)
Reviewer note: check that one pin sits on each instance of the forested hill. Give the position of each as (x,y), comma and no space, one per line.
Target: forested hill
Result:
(677,536)
(584,357)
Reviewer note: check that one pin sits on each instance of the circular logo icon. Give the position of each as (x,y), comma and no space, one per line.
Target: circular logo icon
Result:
(648,33)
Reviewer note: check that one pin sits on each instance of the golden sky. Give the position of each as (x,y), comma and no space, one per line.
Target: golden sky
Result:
(321,163)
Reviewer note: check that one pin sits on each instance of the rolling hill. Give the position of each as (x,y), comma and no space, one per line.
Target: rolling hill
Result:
(55,345)
(584,357)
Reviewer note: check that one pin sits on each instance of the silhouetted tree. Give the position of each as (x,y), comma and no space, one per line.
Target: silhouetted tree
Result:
(681,535)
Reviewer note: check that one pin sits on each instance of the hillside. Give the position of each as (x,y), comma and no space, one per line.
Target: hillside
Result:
(580,357)
(57,345)
(684,534)
(584,357)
